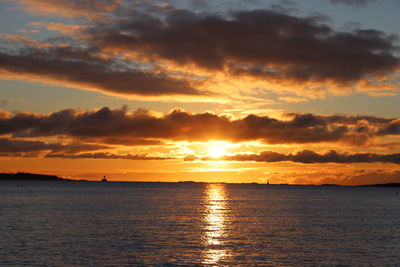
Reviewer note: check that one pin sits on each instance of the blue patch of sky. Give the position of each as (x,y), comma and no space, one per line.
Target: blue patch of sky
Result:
(37,97)
(363,104)
(45,98)
(12,19)
(15,21)
(380,15)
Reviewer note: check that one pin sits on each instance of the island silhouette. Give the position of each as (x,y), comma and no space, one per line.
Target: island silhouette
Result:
(30,177)
(25,176)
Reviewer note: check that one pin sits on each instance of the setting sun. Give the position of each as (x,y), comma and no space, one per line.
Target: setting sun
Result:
(216,152)
(195,132)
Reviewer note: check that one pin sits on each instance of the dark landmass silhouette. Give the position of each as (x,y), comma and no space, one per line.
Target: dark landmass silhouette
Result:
(385,185)
(22,176)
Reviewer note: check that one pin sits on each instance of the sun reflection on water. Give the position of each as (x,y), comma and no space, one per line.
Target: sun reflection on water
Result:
(215,220)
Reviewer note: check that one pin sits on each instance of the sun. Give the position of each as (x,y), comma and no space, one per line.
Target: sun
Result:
(216,151)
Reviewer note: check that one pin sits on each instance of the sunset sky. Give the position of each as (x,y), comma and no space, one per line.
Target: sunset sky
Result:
(285,91)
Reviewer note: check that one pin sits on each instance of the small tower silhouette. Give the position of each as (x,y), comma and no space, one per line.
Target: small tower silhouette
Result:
(104,179)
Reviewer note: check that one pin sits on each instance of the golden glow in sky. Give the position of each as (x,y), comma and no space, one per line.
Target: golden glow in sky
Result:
(217,150)
(182,91)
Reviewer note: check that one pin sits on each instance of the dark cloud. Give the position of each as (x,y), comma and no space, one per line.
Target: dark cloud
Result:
(81,68)
(342,119)
(308,157)
(103,155)
(363,177)
(126,141)
(261,43)
(17,147)
(392,128)
(109,126)
(352,2)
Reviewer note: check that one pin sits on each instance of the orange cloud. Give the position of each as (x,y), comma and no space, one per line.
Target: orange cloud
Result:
(179,125)
(60,27)
(71,8)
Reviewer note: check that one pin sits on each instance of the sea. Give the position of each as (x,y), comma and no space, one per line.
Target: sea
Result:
(197,224)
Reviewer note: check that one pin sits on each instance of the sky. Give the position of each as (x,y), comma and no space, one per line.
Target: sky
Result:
(278,91)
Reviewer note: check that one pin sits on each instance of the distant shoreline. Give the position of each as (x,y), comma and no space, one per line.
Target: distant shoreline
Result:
(23,176)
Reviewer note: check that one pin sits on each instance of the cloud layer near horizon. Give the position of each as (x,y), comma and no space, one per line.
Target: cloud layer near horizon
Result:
(309,157)
(142,127)
(31,148)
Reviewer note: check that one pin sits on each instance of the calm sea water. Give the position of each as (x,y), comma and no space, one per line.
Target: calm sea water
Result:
(184,224)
